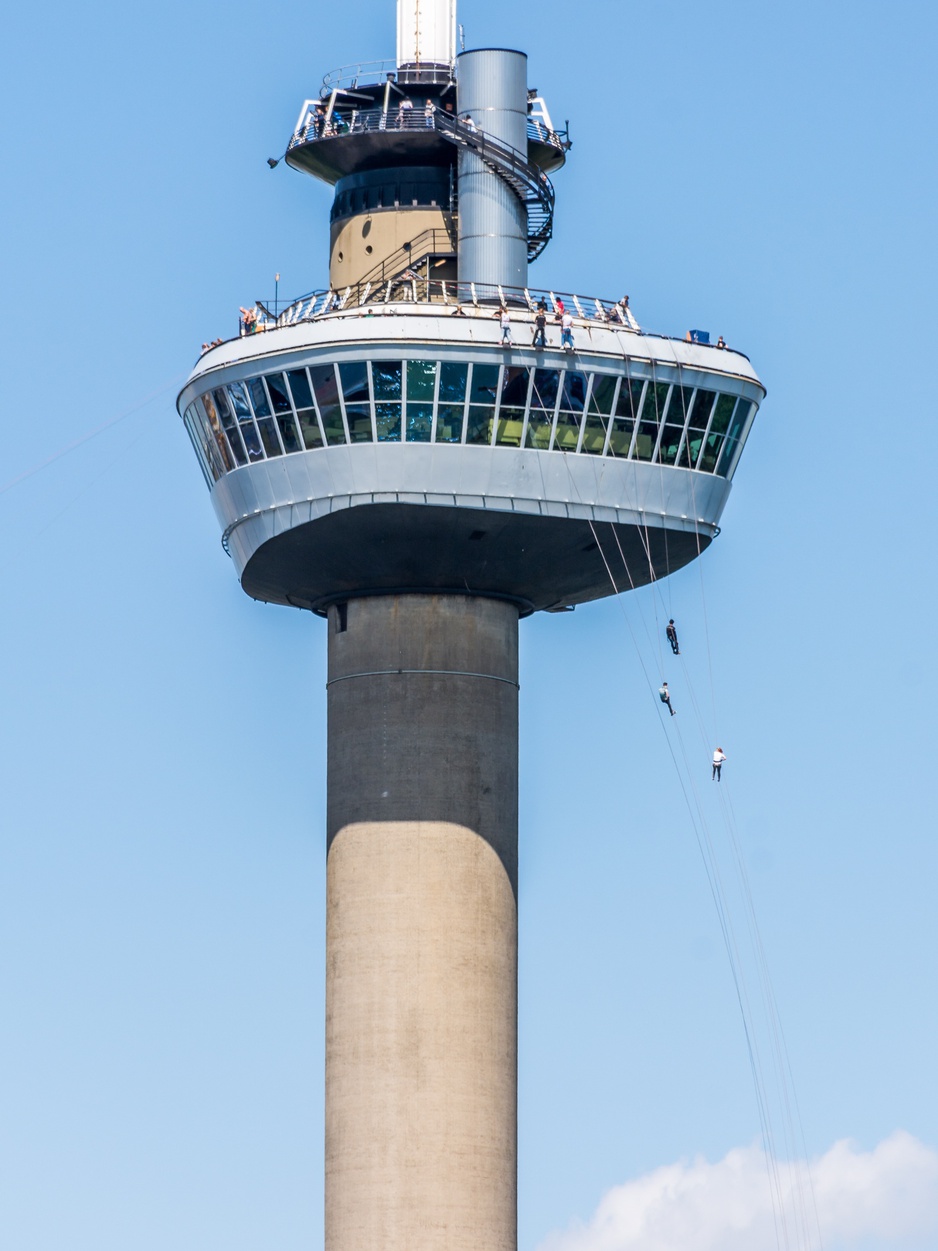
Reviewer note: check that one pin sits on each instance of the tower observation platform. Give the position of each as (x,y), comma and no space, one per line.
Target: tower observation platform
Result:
(425,450)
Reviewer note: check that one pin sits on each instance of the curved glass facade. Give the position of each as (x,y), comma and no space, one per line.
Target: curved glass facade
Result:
(629,416)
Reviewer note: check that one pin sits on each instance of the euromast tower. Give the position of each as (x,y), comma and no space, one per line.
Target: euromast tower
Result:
(401,472)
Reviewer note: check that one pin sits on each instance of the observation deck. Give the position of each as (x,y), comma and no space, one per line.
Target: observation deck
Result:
(395,445)
(362,128)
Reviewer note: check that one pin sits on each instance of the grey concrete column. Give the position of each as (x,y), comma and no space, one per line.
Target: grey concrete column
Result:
(493,222)
(421,943)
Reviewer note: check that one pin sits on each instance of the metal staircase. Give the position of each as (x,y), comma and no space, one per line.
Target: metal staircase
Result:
(409,258)
(529,183)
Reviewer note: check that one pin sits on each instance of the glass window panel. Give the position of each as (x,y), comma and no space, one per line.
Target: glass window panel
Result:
(567,434)
(452,382)
(327,397)
(217,448)
(573,398)
(235,442)
(239,400)
(546,386)
(711,452)
(539,427)
(449,419)
(603,393)
(419,419)
(484,384)
(623,425)
(677,406)
(288,434)
(268,432)
(737,425)
(740,417)
(359,422)
(386,377)
(675,418)
(213,429)
(252,443)
(722,414)
(221,403)
(203,442)
(277,390)
(510,426)
(355,382)
(421,382)
(515,382)
(387,419)
(729,451)
(656,395)
(594,436)
(700,413)
(692,448)
(620,439)
(258,397)
(309,427)
(670,442)
(630,397)
(645,440)
(515,387)
(299,385)
(479,424)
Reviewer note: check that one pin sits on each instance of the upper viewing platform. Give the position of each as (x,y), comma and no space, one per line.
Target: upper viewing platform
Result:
(371,116)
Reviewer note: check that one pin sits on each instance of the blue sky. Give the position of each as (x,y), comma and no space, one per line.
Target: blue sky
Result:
(766,172)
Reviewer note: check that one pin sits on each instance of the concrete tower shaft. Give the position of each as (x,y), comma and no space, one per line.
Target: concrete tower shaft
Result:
(426,33)
(421,942)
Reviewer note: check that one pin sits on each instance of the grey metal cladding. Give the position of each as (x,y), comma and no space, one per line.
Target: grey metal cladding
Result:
(492,218)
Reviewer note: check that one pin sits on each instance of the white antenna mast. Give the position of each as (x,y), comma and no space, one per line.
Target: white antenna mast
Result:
(426,33)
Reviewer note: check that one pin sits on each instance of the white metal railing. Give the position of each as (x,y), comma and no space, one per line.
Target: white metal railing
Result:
(435,295)
(329,118)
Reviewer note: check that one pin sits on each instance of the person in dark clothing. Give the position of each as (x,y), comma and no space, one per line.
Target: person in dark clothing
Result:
(540,328)
(665,696)
(672,637)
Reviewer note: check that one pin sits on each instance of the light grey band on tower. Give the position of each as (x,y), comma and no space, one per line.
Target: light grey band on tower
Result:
(438,673)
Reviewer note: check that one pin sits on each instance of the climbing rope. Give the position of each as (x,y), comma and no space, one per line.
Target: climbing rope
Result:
(794,1210)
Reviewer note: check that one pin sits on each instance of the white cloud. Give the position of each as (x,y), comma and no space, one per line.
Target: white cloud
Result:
(879,1200)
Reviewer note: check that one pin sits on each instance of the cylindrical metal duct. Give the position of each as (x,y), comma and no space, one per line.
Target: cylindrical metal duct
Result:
(493,221)
(426,33)
(421,917)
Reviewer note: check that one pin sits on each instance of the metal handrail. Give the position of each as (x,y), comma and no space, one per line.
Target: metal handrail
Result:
(430,242)
(375,73)
(436,297)
(354,121)
(473,300)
